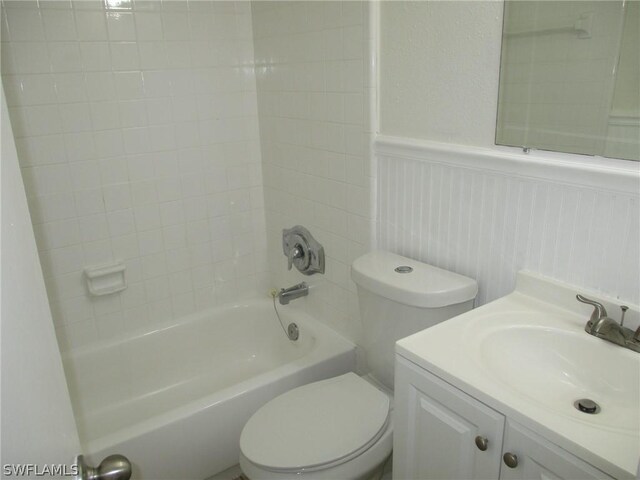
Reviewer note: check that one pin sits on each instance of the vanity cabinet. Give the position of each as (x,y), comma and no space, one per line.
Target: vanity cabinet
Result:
(443,433)
(538,458)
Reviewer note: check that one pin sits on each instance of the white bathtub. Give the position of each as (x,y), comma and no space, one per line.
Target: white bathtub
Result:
(174,399)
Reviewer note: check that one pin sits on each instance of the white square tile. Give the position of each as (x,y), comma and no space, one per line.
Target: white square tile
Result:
(52,207)
(89,201)
(65,57)
(157,84)
(161,137)
(113,171)
(144,192)
(174,236)
(178,55)
(153,266)
(117,197)
(63,260)
(178,259)
(30,57)
(59,24)
(125,247)
(57,234)
(100,86)
(45,150)
(134,296)
(150,242)
(147,217)
(121,222)
(97,253)
(169,189)
(75,117)
(149,26)
(105,115)
(136,141)
(93,227)
(47,179)
(25,25)
(120,26)
(140,167)
(172,213)
(152,55)
(124,56)
(43,120)
(133,113)
(34,89)
(70,87)
(129,85)
(85,175)
(159,112)
(96,57)
(175,26)
(91,25)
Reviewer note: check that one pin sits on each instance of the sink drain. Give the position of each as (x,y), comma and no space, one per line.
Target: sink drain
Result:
(586,405)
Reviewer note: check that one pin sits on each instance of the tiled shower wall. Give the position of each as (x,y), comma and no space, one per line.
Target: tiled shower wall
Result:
(136,128)
(313,88)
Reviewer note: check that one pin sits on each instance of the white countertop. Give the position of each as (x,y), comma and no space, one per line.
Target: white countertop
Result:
(451,350)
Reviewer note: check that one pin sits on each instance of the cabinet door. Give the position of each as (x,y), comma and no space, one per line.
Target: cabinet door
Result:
(435,429)
(538,458)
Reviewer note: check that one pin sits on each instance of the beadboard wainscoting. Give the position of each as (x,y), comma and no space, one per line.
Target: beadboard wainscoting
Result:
(488,213)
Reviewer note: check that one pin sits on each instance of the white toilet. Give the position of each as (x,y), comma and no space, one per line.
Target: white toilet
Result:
(342,428)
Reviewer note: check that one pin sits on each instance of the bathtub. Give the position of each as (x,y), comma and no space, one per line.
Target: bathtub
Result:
(174,399)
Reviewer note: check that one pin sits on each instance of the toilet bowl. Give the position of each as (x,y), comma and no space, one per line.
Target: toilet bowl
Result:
(342,428)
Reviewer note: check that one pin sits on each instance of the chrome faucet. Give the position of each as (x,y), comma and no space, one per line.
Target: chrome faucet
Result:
(291,293)
(601,326)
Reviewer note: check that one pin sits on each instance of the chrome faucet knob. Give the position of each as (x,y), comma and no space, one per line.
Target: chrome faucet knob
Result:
(599,312)
(295,252)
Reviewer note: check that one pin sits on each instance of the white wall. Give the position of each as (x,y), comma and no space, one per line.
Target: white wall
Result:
(487,215)
(468,205)
(136,128)
(37,422)
(313,89)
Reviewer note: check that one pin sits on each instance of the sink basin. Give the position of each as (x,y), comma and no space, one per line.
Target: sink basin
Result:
(527,356)
(554,366)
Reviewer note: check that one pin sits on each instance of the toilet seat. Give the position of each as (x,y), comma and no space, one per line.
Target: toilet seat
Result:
(316,426)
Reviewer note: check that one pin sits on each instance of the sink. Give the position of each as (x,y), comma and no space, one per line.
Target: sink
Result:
(527,355)
(557,365)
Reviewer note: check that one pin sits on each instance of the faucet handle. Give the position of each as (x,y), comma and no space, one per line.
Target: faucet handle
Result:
(598,309)
(296,252)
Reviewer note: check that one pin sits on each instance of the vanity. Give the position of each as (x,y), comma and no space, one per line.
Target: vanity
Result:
(518,389)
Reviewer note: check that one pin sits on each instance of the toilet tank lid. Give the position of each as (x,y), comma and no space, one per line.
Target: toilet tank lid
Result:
(423,286)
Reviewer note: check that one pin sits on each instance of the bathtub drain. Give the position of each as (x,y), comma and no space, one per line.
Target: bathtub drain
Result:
(292,332)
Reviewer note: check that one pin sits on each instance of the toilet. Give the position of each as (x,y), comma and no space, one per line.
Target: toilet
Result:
(342,427)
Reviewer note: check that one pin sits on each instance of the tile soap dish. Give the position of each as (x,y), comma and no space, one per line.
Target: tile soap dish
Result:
(106,279)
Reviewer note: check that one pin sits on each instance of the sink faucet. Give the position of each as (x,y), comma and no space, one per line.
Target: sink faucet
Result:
(601,326)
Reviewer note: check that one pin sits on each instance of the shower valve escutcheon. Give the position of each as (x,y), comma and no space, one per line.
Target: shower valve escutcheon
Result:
(302,250)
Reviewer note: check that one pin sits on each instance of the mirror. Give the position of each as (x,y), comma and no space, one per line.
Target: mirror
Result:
(570,77)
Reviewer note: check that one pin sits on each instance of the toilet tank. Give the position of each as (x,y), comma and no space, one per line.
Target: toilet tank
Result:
(398,297)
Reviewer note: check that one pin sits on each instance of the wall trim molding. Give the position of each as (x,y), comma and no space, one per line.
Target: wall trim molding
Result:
(595,172)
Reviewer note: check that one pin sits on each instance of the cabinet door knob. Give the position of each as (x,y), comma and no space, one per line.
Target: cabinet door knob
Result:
(510,460)
(482,443)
